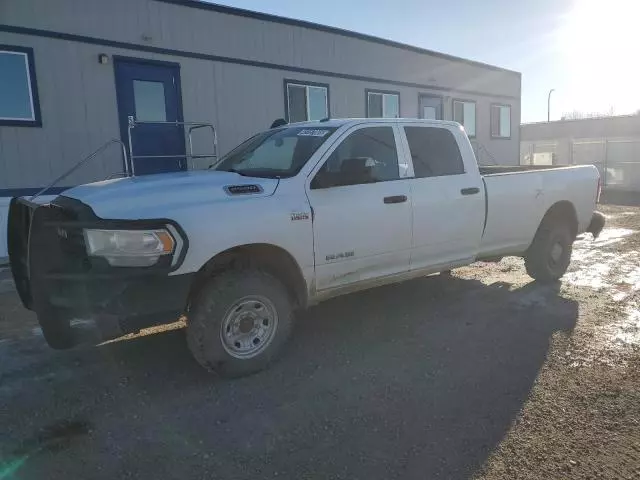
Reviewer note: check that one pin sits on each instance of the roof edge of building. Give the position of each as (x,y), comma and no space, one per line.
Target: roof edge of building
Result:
(241,12)
(587,119)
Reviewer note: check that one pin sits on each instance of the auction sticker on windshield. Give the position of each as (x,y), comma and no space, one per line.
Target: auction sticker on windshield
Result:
(312,133)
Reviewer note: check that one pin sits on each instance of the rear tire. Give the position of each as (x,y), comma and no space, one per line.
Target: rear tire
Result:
(549,255)
(239,322)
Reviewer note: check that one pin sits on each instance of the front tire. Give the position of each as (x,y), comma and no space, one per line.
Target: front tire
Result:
(549,255)
(56,328)
(239,322)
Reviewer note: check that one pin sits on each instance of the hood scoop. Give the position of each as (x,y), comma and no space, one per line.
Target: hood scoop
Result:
(243,189)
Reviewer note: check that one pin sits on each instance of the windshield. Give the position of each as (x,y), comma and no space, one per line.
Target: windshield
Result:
(275,153)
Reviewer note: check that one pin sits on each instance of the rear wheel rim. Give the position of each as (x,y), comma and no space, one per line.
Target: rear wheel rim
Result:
(249,327)
(556,254)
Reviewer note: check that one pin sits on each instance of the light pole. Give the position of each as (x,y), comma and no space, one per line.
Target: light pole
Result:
(549,104)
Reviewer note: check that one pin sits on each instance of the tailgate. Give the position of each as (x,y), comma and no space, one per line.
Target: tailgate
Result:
(18,229)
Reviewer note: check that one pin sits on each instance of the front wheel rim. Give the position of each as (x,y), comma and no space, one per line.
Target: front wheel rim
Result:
(248,327)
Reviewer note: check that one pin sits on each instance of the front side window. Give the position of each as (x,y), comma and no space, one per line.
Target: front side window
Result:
(18,92)
(275,153)
(501,121)
(464,112)
(383,104)
(434,152)
(306,101)
(367,155)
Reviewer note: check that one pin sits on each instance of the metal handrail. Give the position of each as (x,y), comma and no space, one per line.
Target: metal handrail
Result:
(85,160)
(132,122)
(215,141)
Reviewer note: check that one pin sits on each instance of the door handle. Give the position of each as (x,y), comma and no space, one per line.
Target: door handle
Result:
(470,191)
(395,199)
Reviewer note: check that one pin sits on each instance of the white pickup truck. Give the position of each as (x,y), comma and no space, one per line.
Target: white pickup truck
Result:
(293,216)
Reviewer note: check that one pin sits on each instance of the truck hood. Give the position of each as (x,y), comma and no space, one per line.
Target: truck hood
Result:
(136,197)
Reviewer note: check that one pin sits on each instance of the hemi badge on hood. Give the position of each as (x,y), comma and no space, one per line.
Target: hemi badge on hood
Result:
(299,216)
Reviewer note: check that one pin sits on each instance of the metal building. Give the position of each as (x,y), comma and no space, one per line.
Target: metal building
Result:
(72,72)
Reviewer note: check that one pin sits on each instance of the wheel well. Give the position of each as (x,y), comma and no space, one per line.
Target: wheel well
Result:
(563,211)
(274,260)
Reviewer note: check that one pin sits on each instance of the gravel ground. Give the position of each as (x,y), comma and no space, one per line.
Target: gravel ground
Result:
(482,375)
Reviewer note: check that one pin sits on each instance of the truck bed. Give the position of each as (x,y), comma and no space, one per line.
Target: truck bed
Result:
(497,169)
(516,204)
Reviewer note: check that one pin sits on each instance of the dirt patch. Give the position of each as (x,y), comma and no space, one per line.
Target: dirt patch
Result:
(582,418)
(482,374)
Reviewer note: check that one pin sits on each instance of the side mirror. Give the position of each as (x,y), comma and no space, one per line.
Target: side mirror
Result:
(323,179)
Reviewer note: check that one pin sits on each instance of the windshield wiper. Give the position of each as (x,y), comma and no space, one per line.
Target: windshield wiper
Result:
(239,172)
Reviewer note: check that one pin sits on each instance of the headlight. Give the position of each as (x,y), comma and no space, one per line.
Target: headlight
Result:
(130,248)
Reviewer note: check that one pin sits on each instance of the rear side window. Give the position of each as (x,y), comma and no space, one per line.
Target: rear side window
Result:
(434,152)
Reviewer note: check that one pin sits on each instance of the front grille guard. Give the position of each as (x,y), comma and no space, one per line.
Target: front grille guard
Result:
(18,228)
(36,236)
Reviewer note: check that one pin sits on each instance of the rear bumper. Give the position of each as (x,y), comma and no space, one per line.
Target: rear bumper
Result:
(58,281)
(597,223)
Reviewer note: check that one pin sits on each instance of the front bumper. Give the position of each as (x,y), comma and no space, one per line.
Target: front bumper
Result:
(119,304)
(56,279)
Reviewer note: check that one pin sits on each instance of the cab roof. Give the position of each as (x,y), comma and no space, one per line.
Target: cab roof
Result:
(339,122)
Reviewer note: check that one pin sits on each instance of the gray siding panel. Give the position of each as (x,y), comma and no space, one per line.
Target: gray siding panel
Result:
(78,98)
(251,39)
(79,113)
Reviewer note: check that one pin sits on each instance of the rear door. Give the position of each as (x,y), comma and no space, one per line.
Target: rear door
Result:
(149,92)
(361,203)
(448,201)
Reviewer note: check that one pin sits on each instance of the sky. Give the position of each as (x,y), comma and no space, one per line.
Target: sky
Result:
(586,50)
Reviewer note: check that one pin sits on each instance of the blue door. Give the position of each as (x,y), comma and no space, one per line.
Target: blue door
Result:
(150,92)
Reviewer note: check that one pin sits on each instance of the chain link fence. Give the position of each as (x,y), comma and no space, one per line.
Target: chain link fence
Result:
(617,159)
(538,153)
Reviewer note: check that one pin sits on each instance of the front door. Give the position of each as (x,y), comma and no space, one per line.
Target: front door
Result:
(430,107)
(362,210)
(150,93)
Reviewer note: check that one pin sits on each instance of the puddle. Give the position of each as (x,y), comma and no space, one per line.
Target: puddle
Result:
(617,274)
(619,215)
(596,267)
(609,236)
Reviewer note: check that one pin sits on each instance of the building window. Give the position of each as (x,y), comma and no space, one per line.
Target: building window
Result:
(306,101)
(464,112)
(501,121)
(18,91)
(382,104)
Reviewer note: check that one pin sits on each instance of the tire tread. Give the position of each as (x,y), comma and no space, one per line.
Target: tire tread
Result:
(535,259)
(200,324)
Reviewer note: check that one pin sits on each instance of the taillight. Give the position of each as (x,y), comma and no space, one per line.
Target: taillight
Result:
(599,191)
